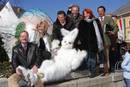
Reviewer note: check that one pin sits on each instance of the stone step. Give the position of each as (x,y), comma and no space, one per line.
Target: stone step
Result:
(3,82)
(82,80)
(113,80)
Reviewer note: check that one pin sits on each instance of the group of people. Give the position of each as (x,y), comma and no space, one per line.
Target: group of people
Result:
(96,36)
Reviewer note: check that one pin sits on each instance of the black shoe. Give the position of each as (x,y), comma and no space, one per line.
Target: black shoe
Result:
(112,70)
(92,75)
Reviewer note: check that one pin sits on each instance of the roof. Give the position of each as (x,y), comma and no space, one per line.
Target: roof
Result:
(125,9)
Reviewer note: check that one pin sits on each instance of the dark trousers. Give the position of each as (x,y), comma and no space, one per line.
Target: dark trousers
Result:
(113,58)
(91,61)
(101,57)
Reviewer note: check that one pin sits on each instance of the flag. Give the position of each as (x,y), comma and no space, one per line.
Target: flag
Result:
(122,27)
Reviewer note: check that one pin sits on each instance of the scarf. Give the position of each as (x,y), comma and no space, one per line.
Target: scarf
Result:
(98,36)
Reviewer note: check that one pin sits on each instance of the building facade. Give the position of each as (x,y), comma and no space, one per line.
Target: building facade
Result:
(123,21)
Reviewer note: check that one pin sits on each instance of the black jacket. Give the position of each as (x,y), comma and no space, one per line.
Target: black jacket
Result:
(75,19)
(31,58)
(86,39)
(57,26)
(43,53)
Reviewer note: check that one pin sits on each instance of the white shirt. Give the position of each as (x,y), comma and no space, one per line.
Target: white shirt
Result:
(126,66)
(101,18)
(47,45)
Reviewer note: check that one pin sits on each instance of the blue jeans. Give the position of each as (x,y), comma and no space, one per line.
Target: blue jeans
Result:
(91,61)
(127,82)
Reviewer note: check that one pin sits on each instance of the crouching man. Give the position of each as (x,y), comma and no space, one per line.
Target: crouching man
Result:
(24,54)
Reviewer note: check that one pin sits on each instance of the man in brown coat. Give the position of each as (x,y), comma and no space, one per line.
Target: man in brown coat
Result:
(109,29)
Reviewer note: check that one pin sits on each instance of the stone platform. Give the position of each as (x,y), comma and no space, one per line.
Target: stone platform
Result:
(81,79)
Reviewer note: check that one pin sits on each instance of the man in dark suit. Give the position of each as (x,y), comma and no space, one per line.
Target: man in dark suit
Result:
(24,54)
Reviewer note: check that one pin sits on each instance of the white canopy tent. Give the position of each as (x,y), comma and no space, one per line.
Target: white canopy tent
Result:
(8,23)
(8,19)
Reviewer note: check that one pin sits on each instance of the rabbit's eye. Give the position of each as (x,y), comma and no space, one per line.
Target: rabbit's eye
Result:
(65,41)
(69,42)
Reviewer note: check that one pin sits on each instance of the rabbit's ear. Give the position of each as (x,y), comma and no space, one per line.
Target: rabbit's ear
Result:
(64,32)
(74,32)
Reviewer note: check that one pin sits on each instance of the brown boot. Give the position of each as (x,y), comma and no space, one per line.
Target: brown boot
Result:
(13,80)
(39,83)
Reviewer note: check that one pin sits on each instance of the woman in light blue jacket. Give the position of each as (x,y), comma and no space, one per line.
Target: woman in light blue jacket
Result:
(126,68)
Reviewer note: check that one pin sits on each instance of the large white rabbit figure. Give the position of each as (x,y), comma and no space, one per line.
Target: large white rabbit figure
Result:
(66,60)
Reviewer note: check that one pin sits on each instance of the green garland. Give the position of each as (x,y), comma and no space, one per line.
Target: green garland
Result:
(20,27)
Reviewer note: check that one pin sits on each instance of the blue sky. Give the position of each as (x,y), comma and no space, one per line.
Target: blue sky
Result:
(52,6)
